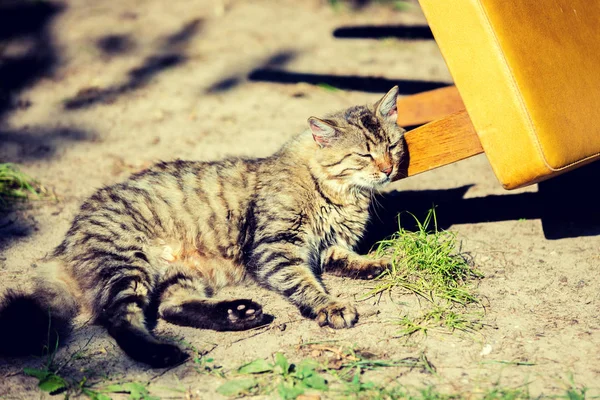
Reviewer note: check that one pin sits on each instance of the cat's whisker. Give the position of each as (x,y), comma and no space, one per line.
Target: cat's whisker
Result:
(375,204)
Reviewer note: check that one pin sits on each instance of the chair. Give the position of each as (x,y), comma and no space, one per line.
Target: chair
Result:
(527,76)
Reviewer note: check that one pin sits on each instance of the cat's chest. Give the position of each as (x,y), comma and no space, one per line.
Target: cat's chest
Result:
(340,225)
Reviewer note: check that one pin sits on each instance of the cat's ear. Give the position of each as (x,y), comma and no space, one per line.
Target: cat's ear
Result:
(323,132)
(386,107)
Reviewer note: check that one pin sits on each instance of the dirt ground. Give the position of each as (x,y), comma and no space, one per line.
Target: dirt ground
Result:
(116,86)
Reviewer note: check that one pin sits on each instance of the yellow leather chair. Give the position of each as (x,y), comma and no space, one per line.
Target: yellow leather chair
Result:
(528,74)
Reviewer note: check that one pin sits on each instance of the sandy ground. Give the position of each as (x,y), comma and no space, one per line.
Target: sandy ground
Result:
(116,86)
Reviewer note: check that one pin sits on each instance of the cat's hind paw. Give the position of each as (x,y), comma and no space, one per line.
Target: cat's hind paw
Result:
(227,315)
(240,314)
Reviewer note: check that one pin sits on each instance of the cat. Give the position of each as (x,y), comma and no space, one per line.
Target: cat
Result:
(163,242)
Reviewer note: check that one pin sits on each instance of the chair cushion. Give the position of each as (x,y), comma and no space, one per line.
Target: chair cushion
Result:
(529,75)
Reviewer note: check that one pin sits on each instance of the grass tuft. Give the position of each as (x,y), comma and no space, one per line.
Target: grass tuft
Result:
(507,394)
(17,186)
(428,264)
(51,379)
(328,87)
(340,374)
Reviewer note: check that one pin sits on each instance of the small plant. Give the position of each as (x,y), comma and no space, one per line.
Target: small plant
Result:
(51,381)
(207,365)
(575,392)
(507,394)
(202,364)
(355,363)
(346,362)
(328,87)
(16,186)
(48,376)
(135,390)
(394,390)
(288,380)
(48,380)
(339,374)
(428,264)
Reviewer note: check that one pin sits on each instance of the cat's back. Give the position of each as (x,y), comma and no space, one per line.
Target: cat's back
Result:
(178,200)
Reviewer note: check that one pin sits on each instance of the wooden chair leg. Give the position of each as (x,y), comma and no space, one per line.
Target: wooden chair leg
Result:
(428,106)
(439,143)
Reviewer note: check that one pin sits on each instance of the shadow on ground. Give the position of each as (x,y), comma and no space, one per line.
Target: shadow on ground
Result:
(36,143)
(277,60)
(168,55)
(368,84)
(414,32)
(113,45)
(567,206)
(27,52)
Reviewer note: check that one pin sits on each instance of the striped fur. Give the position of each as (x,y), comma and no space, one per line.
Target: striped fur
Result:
(167,239)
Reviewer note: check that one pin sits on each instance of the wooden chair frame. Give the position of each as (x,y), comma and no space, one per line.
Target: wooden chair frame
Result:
(449,138)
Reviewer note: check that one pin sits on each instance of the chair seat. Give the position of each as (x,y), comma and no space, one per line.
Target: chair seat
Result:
(529,75)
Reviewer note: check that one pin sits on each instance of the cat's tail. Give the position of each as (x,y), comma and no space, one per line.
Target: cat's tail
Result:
(35,322)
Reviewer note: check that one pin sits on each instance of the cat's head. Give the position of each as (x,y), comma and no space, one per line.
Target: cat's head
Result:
(361,146)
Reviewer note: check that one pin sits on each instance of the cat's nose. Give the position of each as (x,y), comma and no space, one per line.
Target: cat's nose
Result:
(386,169)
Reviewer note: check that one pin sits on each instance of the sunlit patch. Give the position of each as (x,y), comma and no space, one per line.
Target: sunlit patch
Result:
(167,254)
(217,271)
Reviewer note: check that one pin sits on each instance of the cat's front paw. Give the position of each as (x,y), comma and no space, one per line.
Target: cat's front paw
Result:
(370,269)
(361,268)
(337,315)
(375,268)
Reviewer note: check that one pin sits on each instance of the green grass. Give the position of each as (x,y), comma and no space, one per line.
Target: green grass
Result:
(337,372)
(286,379)
(328,87)
(428,263)
(16,186)
(51,380)
(340,377)
(357,362)
(500,393)
(513,363)
(202,363)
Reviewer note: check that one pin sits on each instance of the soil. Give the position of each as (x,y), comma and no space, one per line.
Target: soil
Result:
(114,87)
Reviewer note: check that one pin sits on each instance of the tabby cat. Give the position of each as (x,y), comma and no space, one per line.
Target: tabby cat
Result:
(166,240)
